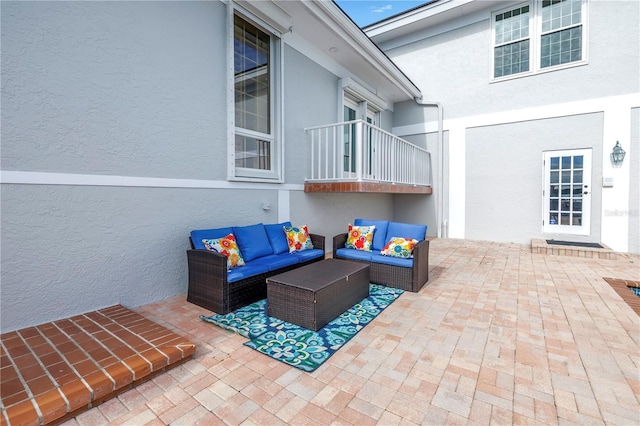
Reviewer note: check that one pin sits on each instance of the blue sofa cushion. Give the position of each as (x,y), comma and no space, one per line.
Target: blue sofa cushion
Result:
(404,230)
(277,237)
(379,234)
(249,270)
(253,241)
(276,261)
(355,254)
(208,234)
(390,260)
(308,254)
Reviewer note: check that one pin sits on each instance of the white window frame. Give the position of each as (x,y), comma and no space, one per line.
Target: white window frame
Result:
(276,137)
(535,41)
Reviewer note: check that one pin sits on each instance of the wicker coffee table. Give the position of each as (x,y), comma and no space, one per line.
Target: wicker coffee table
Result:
(315,294)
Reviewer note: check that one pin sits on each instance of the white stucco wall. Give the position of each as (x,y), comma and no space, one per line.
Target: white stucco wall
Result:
(454,68)
(114,123)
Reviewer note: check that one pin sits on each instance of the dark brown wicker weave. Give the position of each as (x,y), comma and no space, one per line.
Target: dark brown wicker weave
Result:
(316,294)
(209,288)
(410,279)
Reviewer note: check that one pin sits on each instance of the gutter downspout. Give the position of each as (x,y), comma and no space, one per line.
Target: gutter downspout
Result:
(440,189)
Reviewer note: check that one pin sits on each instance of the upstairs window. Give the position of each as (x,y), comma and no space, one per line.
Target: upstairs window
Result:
(538,36)
(255,66)
(561,35)
(512,45)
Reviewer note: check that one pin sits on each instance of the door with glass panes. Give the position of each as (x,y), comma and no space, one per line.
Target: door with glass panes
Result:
(352,111)
(567,192)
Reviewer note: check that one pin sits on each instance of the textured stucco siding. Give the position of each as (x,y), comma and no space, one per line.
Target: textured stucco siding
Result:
(118,88)
(71,249)
(305,105)
(454,67)
(135,90)
(634,188)
(504,179)
(332,213)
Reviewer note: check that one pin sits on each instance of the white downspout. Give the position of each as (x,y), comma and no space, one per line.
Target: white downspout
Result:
(440,189)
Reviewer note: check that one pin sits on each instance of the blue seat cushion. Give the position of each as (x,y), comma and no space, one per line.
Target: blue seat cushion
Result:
(277,237)
(306,255)
(276,261)
(355,254)
(390,260)
(253,241)
(242,272)
(379,233)
(406,230)
(208,234)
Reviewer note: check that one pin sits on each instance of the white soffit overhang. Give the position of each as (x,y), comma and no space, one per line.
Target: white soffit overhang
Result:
(323,25)
(442,15)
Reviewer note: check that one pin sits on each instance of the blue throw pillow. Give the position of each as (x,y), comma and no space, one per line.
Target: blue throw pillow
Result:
(207,234)
(379,234)
(277,237)
(253,241)
(406,230)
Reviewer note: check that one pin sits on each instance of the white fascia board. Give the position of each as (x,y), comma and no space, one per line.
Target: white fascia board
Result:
(338,22)
(428,32)
(412,16)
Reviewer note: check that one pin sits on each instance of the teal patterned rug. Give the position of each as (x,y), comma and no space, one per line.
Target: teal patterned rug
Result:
(297,346)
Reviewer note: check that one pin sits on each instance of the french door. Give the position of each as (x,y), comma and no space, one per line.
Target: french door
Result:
(354,111)
(567,192)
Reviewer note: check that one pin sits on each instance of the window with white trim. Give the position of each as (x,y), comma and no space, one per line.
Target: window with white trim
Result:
(256,68)
(538,36)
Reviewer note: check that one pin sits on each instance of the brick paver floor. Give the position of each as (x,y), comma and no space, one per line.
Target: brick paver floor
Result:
(498,336)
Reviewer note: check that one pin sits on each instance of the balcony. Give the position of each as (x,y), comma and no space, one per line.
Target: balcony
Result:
(355,156)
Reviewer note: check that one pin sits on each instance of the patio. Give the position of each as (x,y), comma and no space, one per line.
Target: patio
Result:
(498,336)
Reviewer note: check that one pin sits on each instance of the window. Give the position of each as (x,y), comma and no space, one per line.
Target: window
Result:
(538,36)
(511,54)
(255,67)
(561,39)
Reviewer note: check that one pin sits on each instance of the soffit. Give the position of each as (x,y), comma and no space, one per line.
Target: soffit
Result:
(323,25)
(428,16)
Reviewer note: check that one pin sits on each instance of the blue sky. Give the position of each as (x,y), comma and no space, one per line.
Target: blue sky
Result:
(365,12)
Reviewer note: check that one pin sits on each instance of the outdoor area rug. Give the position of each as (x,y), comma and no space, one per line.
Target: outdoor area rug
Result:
(297,346)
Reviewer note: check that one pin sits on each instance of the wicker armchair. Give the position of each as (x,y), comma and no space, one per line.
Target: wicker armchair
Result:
(209,288)
(409,279)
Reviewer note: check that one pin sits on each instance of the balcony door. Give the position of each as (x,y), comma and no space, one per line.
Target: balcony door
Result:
(567,192)
(354,110)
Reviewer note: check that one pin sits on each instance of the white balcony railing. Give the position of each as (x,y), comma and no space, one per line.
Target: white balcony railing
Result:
(358,151)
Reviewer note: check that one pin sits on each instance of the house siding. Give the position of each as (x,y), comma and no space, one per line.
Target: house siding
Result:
(489,122)
(634,187)
(455,67)
(117,88)
(504,179)
(114,147)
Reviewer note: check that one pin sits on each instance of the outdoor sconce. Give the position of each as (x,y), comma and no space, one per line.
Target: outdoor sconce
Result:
(617,155)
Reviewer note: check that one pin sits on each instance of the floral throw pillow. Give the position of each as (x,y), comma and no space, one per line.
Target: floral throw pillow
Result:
(360,237)
(226,246)
(298,238)
(399,247)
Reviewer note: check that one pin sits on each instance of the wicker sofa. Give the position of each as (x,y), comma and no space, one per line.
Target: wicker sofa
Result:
(266,253)
(406,274)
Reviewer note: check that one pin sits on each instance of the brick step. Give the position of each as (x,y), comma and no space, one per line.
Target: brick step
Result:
(54,371)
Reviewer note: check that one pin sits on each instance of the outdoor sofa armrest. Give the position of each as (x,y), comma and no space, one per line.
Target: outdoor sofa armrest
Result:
(318,241)
(208,285)
(421,261)
(339,241)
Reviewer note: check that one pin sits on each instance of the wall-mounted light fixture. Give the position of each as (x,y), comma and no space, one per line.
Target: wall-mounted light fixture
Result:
(617,155)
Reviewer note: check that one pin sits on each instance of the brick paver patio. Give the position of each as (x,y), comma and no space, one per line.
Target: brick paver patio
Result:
(498,336)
